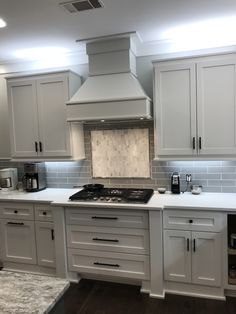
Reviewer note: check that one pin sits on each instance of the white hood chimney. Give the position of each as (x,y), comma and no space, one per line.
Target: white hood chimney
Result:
(112,91)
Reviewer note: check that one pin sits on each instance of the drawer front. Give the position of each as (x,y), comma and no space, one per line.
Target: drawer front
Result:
(43,213)
(109,218)
(193,220)
(17,211)
(108,239)
(97,262)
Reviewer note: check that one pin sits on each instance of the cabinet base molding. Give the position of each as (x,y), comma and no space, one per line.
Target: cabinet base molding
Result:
(230,293)
(10,266)
(198,291)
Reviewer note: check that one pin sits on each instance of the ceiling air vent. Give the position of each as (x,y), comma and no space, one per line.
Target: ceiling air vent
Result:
(81,5)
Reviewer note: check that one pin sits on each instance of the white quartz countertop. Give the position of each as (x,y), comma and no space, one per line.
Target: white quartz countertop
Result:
(60,197)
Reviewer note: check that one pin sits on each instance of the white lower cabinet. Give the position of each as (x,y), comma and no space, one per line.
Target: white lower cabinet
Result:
(108,242)
(18,237)
(45,244)
(27,235)
(177,256)
(192,256)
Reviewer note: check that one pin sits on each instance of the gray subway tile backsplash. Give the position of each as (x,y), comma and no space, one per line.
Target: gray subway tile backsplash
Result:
(214,176)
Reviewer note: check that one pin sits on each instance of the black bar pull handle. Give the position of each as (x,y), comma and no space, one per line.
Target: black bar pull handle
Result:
(16,223)
(106,240)
(188,244)
(200,142)
(194,245)
(52,234)
(106,264)
(194,143)
(106,218)
(40,146)
(36,146)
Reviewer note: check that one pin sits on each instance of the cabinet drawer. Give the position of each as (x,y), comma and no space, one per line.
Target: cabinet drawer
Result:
(111,218)
(43,213)
(193,220)
(108,239)
(17,211)
(105,263)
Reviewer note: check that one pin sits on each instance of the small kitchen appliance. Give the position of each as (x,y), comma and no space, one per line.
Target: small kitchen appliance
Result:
(34,178)
(8,179)
(175,183)
(97,193)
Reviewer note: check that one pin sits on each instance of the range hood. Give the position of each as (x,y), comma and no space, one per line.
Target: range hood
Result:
(112,91)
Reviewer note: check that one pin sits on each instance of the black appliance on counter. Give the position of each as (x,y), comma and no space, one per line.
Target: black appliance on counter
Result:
(34,178)
(97,193)
(175,183)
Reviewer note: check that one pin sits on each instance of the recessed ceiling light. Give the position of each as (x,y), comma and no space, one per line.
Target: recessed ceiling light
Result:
(2,23)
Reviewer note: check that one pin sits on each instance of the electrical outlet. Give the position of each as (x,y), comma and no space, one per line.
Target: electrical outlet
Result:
(188,178)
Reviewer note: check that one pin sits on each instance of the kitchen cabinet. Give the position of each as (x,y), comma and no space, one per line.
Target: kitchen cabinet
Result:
(45,238)
(45,244)
(18,241)
(27,235)
(195,107)
(38,116)
(193,256)
(108,242)
(5,152)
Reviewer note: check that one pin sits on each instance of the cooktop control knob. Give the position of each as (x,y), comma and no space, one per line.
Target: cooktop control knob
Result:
(119,199)
(113,199)
(95,198)
(107,198)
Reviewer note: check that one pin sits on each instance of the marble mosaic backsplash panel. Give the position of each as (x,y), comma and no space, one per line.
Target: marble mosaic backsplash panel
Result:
(214,176)
(120,153)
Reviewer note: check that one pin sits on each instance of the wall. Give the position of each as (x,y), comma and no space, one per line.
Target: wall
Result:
(214,176)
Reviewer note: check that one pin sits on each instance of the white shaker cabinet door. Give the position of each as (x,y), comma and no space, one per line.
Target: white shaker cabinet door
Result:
(5,152)
(54,130)
(177,255)
(45,244)
(216,97)
(206,258)
(175,109)
(23,117)
(18,241)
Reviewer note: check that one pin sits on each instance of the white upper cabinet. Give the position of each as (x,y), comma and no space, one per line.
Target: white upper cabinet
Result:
(195,107)
(176,108)
(38,123)
(5,152)
(216,106)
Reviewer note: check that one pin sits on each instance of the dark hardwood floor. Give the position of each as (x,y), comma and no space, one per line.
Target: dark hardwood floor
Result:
(96,297)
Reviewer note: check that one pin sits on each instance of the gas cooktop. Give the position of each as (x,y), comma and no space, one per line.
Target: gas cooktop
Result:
(113,195)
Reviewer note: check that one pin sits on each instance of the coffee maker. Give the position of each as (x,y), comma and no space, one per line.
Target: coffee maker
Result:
(175,183)
(34,178)
(8,179)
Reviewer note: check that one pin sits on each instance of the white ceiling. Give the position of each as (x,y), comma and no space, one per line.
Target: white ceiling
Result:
(43,23)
